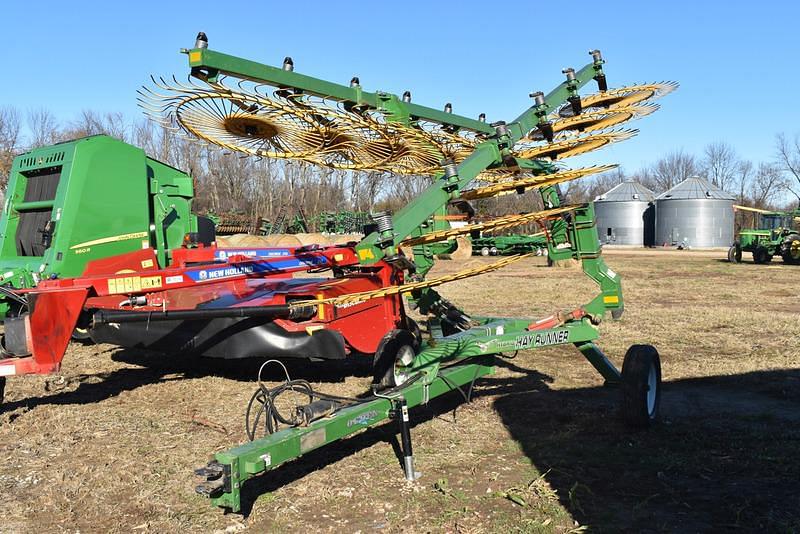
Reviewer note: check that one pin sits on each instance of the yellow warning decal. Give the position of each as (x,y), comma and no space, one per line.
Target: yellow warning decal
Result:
(111,239)
(366,254)
(133,284)
(194,57)
(611,299)
(320,309)
(151,282)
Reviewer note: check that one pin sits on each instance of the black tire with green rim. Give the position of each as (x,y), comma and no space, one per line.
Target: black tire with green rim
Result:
(735,253)
(791,249)
(395,351)
(641,386)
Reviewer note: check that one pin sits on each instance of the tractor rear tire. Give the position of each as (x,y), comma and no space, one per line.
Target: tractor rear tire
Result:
(641,386)
(395,351)
(761,255)
(735,254)
(791,249)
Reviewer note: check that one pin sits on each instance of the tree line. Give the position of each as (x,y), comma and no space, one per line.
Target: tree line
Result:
(225,182)
(230,183)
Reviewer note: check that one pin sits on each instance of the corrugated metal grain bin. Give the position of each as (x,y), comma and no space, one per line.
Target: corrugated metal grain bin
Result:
(626,215)
(694,213)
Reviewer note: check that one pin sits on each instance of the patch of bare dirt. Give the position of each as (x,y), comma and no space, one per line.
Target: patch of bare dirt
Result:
(109,445)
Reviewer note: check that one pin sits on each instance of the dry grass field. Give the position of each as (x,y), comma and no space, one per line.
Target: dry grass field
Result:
(109,444)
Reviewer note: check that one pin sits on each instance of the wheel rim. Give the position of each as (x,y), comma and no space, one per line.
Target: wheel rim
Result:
(401,369)
(652,385)
(794,249)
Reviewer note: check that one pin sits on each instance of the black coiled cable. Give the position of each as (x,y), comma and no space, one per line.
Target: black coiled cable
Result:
(265,398)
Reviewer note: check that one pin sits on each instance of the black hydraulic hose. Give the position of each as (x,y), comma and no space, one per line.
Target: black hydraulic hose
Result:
(13,295)
(275,311)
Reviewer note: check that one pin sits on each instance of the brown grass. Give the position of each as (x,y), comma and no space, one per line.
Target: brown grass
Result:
(110,444)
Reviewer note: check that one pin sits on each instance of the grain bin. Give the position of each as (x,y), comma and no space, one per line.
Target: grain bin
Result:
(625,215)
(694,213)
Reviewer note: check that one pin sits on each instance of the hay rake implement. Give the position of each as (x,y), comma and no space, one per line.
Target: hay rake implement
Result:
(240,303)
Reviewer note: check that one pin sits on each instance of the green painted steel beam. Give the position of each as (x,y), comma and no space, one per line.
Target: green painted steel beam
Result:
(416,212)
(470,354)
(600,362)
(528,120)
(256,457)
(215,63)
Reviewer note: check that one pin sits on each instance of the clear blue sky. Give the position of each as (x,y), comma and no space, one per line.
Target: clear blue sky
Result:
(734,60)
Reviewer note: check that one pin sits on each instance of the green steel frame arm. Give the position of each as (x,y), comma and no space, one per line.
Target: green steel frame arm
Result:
(209,64)
(526,122)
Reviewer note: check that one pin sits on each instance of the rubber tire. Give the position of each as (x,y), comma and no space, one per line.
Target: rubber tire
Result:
(787,243)
(485,251)
(385,356)
(761,256)
(635,373)
(493,251)
(735,254)
(411,325)
(2,390)
(81,335)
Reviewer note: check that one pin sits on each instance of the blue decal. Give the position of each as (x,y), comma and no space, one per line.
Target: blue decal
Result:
(224,254)
(218,273)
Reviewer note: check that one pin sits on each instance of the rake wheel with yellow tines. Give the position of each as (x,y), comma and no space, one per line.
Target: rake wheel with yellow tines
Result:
(244,302)
(620,98)
(567,146)
(594,120)
(518,184)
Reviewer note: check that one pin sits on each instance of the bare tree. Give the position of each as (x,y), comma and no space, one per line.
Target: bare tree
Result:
(9,141)
(43,128)
(403,189)
(789,162)
(720,164)
(741,180)
(93,123)
(672,169)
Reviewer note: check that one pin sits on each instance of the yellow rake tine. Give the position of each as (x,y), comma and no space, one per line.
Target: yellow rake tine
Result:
(408,288)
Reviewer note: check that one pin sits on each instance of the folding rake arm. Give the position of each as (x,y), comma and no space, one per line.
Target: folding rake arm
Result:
(526,122)
(209,65)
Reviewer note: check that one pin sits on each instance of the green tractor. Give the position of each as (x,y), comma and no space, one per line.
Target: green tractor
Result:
(776,236)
